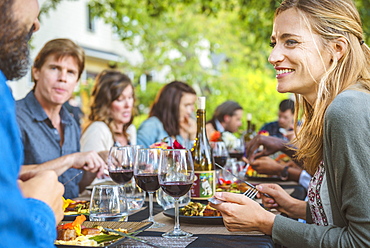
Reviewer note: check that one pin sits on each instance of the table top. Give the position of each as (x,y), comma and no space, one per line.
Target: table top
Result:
(204,235)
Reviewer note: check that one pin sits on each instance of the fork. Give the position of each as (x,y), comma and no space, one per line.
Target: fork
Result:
(251,192)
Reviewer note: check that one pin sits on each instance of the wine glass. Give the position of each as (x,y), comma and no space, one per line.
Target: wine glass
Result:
(120,164)
(220,153)
(135,195)
(146,175)
(236,150)
(176,176)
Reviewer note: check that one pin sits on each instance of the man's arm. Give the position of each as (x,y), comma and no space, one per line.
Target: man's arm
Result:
(89,161)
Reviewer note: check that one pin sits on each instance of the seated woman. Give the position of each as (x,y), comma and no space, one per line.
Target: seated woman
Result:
(111,114)
(319,55)
(170,116)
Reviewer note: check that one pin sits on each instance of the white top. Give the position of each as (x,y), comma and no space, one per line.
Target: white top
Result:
(98,137)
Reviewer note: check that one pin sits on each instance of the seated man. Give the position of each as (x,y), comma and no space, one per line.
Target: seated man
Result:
(227,117)
(283,127)
(286,171)
(265,165)
(50,135)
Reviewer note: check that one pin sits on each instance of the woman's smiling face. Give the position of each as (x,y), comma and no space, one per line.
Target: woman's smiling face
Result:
(298,55)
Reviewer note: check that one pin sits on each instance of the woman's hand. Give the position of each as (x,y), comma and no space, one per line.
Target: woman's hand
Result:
(282,201)
(188,128)
(243,214)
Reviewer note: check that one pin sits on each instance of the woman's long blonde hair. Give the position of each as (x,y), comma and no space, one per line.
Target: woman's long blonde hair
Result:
(330,19)
(109,85)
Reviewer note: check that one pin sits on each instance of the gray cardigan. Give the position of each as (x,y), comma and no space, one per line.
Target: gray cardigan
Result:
(347,162)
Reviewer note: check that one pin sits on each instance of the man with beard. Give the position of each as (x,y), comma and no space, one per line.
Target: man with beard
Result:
(30,207)
(56,71)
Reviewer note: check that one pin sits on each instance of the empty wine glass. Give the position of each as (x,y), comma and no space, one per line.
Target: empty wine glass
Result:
(176,176)
(146,175)
(120,164)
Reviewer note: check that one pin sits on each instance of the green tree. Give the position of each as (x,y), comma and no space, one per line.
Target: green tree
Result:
(171,34)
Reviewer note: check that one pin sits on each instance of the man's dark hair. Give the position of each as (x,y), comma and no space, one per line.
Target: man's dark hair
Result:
(286,104)
(226,108)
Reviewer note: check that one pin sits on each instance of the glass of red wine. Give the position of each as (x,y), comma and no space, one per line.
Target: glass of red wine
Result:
(120,164)
(176,176)
(220,152)
(146,175)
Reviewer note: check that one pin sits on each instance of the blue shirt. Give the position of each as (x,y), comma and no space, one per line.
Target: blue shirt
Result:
(273,129)
(23,222)
(152,131)
(41,140)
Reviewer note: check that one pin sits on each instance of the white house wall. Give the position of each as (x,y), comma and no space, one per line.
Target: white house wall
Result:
(70,20)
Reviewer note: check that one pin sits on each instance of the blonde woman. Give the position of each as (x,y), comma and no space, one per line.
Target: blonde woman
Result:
(319,54)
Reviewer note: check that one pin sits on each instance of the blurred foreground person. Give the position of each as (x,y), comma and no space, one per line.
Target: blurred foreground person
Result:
(31,207)
(319,54)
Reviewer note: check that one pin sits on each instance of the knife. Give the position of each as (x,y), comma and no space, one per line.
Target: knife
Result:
(134,238)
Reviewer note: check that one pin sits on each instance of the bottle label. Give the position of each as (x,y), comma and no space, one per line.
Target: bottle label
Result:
(204,185)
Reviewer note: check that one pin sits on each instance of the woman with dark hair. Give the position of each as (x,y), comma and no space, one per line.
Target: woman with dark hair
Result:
(170,116)
(111,113)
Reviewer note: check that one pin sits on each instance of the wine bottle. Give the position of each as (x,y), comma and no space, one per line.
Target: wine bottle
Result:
(204,185)
(248,136)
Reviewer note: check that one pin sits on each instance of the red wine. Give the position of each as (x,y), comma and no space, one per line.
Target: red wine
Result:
(121,176)
(237,155)
(176,189)
(148,181)
(221,160)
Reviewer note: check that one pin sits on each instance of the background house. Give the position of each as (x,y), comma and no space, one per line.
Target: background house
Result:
(72,20)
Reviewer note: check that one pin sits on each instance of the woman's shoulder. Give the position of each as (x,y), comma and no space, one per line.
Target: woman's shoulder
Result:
(100,124)
(151,121)
(97,125)
(350,102)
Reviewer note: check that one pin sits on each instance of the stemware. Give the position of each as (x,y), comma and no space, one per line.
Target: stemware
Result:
(237,149)
(146,175)
(135,195)
(176,176)
(120,164)
(220,152)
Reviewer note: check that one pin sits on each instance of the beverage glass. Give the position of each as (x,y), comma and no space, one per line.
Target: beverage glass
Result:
(135,196)
(176,176)
(120,163)
(237,149)
(146,175)
(108,203)
(220,153)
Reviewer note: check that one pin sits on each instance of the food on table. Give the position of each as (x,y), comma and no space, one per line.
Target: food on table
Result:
(199,209)
(228,186)
(75,233)
(72,207)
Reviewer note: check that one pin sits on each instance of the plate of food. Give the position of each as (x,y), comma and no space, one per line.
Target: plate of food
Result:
(197,213)
(89,234)
(74,208)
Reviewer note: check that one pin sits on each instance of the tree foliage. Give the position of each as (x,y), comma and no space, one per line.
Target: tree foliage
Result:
(176,36)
